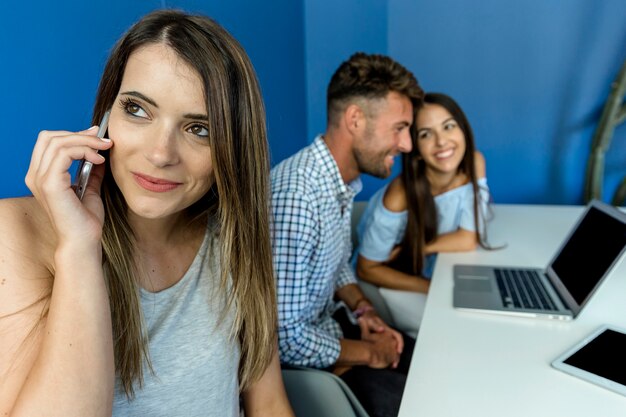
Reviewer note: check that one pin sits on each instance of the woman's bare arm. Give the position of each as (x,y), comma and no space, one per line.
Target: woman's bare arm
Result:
(382,275)
(460,240)
(267,397)
(65,366)
(378,272)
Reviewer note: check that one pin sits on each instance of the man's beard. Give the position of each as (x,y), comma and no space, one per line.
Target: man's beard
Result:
(369,161)
(372,164)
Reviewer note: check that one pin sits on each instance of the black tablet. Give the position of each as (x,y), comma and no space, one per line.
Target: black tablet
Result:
(600,359)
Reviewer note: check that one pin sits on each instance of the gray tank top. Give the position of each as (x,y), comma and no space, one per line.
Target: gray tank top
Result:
(195,360)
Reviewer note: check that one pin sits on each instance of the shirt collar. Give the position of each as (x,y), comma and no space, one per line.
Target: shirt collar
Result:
(343,191)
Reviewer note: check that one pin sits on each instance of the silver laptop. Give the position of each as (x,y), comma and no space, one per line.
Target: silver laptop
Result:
(585,258)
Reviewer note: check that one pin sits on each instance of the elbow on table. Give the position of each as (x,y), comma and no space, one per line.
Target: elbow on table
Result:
(471,245)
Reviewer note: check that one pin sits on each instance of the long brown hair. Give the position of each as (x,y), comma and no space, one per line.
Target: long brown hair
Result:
(422,212)
(239,199)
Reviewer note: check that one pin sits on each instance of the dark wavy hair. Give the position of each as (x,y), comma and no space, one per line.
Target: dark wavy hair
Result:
(422,212)
(365,76)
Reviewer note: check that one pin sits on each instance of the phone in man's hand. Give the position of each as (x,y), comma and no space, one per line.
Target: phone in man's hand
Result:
(84,168)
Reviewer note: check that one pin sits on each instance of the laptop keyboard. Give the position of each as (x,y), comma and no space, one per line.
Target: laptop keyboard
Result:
(520,288)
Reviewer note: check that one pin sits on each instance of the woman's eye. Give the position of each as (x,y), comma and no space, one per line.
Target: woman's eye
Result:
(134,109)
(199,130)
(450,126)
(423,135)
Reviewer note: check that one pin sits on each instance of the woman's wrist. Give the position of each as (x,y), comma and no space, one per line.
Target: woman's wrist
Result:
(362,306)
(77,253)
(361,311)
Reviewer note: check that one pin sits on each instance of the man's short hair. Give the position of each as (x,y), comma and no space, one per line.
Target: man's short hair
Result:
(369,77)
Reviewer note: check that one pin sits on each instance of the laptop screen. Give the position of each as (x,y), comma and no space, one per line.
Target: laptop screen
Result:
(589,252)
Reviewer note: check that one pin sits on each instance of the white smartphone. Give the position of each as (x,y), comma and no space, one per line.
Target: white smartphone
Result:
(84,168)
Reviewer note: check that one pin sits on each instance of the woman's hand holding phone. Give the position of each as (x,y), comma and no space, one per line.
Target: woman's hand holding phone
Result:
(84,168)
(50,181)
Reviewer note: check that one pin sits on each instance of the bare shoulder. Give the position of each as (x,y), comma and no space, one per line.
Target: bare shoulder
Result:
(480,165)
(19,213)
(395,196)
(23,220)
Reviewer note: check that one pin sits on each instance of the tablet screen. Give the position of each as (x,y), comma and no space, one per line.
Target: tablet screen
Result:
(604,356)
(600,358)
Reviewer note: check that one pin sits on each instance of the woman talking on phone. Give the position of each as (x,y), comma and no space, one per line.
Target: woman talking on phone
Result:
(154,294)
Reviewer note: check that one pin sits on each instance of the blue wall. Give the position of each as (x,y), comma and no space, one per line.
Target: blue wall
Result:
(51,61)
(53,54)
(532,76)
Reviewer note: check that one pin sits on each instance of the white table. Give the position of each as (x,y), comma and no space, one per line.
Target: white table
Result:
(477,364)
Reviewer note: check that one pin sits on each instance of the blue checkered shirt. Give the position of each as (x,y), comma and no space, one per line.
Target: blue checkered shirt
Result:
(312,207)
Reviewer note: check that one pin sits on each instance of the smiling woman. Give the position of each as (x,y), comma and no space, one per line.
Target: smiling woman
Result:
(437,204)
(152,292)
(161,160)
